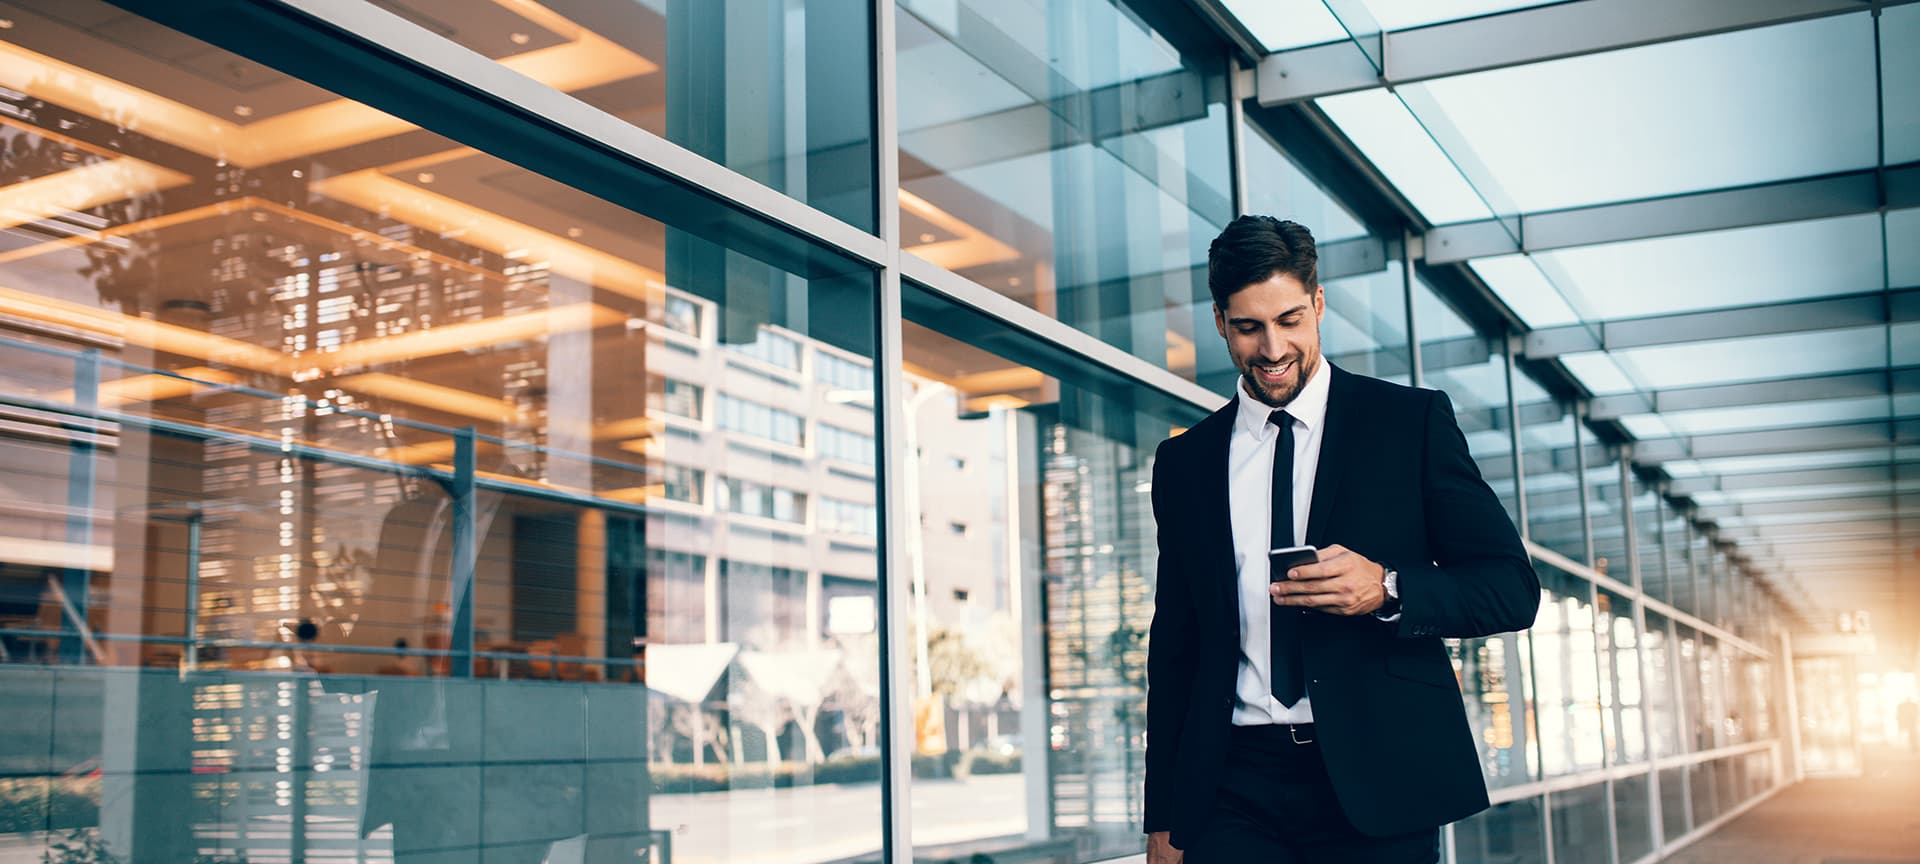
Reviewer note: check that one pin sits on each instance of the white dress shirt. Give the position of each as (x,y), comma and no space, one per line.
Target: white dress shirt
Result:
(1250,505)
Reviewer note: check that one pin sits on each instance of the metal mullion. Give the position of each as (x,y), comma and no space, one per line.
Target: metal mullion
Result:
(1236,137)
(896,459)
(1580,434)
(1513,439)
(1415,363)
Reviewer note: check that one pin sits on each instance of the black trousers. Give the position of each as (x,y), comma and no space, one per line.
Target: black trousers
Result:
(1276,805)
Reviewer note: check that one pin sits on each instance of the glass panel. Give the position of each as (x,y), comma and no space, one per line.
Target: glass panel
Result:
(1277,187)
(1553,483)
(1899,72)
(1649,554)
(1566,673)
(1580,825)
(1662,711)
(1393,139)
(1825,697)
(1903,226)
(1704,792)
(1072,156)
(1514,832)
(780,92)
(1714,420)
(1621,693)
(1679,579)
(1699,731)
(1754,358)
(1283,24)
(1496,685)
(409,451)
(1607,513)
(1673,804)
(1365,328)
(1405,14)
(1632,817)
(1807,89)
(1711,724)
(1524,287)
(1032,595)
(1741,267)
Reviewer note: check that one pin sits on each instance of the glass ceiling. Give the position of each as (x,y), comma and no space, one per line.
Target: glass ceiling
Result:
(1696,133)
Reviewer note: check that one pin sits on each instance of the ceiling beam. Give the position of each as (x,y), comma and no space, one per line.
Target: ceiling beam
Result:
(1843,385)
(1521,37)
(1880,503)
(1886,473)
(1866,309)
(1823,197)
(1798,439)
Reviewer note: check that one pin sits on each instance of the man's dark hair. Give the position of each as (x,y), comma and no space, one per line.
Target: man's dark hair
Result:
(1253,249)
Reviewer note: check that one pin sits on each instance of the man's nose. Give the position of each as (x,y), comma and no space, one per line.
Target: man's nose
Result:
(1272,346)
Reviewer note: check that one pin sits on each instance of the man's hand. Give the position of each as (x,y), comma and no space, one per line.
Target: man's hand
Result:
(1343,583)
(1160,849)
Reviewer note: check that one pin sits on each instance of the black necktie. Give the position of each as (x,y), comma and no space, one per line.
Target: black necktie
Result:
(1288,673)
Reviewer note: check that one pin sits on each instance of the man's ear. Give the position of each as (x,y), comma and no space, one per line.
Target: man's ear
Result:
(1319,301)
(1220,320)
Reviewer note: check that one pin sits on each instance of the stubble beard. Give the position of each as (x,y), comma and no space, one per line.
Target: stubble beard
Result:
(1285,397)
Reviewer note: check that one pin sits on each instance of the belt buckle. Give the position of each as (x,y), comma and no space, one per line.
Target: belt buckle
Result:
(1293,732)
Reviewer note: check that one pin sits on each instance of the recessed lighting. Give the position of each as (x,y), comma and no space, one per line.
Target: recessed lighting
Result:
(6,23)
(243,110)
(520,38)
(1013,281)
(926,238)
(425,177)
(574,232)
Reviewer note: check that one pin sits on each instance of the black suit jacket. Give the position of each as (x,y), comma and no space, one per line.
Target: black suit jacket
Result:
(1395,483)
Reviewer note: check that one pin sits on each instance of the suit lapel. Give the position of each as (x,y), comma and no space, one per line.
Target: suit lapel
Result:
(1335,454)
(1214,519)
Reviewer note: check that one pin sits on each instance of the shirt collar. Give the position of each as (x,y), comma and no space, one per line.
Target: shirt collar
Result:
(1308,408)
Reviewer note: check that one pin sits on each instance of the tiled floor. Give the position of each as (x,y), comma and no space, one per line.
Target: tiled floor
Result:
(1870,819)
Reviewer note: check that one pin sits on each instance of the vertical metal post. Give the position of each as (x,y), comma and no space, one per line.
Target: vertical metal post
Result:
(1236,135)
(1580,471)
(1416,364)
(1793,705)
(897,739)
(76,578)
(1513,438)
(194,518)
(465,553)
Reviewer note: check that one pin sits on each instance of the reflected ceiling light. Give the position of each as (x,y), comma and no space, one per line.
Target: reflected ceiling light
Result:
(1000,400)
(374,191)
(648,447)
(83,188)
(632,427)
(415,454)
(637,494)
(585,60)
(1000,380)
(970,247)
(481,334)
(448,400)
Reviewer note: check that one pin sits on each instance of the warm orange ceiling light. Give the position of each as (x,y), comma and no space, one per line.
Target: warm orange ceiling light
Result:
(586,60)
(82,188)
(448,400)
(374,191)
(971,246)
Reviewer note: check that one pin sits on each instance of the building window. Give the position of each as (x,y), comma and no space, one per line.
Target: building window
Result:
(772,349)
(768,502)
(684,484)
(848,517)
(681,315)
(846,445)
(762,421)
(840,373)
(762,607)
(681,399)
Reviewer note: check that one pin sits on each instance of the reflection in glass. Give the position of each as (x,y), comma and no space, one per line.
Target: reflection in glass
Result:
(1513,832)
(1621,694)
(1566,674)
(1632,819)
(1555,515)
(1031,593)
(779,92)
(1662,712)
(1675,819)
(1496,683)
(429,509)
(1073,156)
(1473,373)
(1607,513)
(1580,825)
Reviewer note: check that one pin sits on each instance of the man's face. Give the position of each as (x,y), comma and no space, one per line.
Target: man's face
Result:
(1272,330)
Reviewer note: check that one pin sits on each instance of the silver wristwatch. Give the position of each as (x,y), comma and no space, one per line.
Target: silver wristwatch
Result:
(1390,580)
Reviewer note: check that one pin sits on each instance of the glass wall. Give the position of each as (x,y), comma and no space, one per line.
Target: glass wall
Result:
(401,453)
(372,489)
(1072,156)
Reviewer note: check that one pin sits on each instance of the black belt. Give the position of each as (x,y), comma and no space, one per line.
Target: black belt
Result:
(1298,733)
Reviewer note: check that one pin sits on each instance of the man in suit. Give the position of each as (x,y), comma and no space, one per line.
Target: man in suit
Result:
(1315,717)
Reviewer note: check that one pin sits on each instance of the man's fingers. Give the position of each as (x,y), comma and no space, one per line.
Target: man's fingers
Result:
(1331,565)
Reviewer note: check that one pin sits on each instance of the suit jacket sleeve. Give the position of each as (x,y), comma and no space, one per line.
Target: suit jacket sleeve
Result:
(1480,581)
(1169,657)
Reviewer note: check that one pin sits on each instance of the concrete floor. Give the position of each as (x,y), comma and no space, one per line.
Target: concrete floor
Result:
(1870,819)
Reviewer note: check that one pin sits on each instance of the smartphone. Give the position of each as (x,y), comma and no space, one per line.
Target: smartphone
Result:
(1286,559)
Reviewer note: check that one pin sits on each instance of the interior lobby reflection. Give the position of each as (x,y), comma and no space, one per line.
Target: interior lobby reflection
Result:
(365,497)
